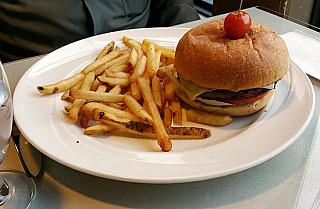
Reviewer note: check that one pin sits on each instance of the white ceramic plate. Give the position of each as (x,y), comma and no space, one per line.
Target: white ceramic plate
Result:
(246,142)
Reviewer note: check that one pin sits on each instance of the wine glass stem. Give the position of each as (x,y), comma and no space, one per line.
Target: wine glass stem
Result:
(4,191)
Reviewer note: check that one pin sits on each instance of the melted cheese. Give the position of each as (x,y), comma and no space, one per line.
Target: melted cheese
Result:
(192,89)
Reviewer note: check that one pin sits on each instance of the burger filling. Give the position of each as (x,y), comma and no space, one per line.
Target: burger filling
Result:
(218,97)
(233,98)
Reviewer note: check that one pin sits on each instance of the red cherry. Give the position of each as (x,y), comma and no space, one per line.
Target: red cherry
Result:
(237,24)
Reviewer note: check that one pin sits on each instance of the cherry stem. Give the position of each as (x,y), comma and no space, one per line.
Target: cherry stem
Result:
(240,8)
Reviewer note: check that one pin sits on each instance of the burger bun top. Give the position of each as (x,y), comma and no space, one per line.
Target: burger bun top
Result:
(207,57)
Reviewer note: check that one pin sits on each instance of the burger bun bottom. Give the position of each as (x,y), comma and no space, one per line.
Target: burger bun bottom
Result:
(232,110)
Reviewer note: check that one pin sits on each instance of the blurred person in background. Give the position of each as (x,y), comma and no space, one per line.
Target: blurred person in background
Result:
(34,27)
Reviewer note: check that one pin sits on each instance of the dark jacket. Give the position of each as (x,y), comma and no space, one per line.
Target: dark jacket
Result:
(33,27)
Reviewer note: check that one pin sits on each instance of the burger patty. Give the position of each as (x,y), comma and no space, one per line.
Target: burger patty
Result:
(226,95)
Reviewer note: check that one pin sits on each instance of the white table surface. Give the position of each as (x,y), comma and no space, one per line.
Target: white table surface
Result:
(290,179)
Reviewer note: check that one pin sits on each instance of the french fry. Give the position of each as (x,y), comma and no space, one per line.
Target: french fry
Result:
(119,68)
(105,59)
(169,89)
(188,132)
(157,60)
(123,82)
(137,109)
(76,105)
(140,53)
(175,81)
(88,108)
(162,137)
(167,116)
(135,91)
(125,51)
(114,117)
(77,86)
(125,39)
(147,77)
(106,50)
(169,60)
(134,44)
(157,46)
(120,60)
(131,43)
(101,88)
(166,54)
(156,91)
(144,49)
(147,130)
(163,95)
(113,74)
(133,57)
(115,90)
(176,111)
(99,129)
(139,69)
(162,71)
(99,71)
(87,82)
(117,106)
(98,96)
(202,117)
(151,60)
(66,96)
(84,121)
(61,86)
(96,83)
(68,107)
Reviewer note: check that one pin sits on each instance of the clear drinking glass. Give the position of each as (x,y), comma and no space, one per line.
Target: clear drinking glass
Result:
(17,190)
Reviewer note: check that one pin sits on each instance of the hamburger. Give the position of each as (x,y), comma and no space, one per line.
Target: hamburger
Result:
(236,77)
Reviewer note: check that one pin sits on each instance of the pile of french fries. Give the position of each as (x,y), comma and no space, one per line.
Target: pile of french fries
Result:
(129,90)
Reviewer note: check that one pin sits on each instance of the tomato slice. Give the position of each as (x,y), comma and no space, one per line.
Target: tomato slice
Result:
(247,100)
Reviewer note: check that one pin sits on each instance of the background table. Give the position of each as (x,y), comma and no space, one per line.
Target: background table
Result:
(276,183)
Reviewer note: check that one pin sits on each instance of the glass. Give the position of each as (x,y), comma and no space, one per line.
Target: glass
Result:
(17,190)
